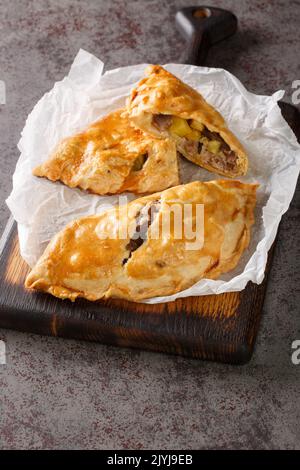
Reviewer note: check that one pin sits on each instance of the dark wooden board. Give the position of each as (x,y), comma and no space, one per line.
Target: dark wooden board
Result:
(216,327)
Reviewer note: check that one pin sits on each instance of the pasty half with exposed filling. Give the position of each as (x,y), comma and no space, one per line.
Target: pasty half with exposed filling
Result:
(112,156)
(165,106)
(131,252)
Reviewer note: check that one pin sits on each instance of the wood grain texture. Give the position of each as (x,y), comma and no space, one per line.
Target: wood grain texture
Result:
(216,327)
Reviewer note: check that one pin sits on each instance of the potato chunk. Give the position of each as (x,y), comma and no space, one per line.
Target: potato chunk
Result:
(194,135)
(179,127)
(197,125)
(213,146)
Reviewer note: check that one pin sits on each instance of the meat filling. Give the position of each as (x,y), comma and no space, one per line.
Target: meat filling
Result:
(218,161)
(188,146)
(193,139)
(162,121)
(215,136)
(144,219)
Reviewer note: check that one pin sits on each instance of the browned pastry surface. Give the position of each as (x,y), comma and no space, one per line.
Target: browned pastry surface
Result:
(112,156)
(86,259)
(163,105)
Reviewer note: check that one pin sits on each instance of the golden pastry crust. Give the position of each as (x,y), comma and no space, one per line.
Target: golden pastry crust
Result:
(88,260)
(112,156)
(161,93)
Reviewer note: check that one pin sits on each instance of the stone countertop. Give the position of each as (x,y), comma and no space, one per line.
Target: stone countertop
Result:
(64,394)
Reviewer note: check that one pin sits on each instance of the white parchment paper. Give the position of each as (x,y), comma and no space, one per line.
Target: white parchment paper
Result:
(42,208)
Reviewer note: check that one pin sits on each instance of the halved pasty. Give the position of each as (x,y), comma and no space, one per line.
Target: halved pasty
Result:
(112,156)
(165,106)
(156,245)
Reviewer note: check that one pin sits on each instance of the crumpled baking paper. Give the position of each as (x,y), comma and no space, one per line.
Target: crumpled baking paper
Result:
(42,208)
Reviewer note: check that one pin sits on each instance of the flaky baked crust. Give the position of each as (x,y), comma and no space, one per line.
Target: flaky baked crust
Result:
(84,260)
(160,92)
(102,159)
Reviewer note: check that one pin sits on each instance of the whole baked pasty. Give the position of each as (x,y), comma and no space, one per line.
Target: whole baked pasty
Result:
(165,106)
(112,156)
(130,252)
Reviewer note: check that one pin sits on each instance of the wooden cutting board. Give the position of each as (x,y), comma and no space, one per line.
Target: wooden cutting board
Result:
(216,327)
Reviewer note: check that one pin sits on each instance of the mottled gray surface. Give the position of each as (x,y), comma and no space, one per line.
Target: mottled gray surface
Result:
(72,395)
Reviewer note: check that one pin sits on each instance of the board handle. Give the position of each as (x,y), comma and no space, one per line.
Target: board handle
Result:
(202,27)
